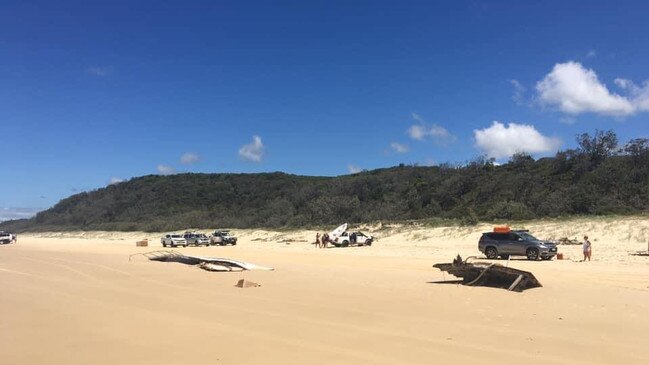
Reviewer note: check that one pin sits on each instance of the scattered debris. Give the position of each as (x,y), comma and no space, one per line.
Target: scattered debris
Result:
(143,243)
(206,263)
(288,241)
(568,241)
(243,283)
(492,275)
(641,253)
(208,266)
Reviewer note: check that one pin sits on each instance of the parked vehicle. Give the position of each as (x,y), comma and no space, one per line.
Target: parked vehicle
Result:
(504,242)
(173,240)
(223,238)
(197,239)
(353,238)
(6,237)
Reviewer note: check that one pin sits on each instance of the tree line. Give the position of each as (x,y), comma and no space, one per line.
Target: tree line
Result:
(599,177)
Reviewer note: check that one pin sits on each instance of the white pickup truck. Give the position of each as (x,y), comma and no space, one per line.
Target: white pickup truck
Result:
(353,238)
(173,240)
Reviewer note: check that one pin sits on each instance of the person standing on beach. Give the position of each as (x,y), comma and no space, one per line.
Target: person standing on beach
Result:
(317,240)
(587,248)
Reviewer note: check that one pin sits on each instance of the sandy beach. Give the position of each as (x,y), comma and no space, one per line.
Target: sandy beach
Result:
(76,298)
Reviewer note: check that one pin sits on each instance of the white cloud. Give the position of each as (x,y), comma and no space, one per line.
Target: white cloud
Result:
(417,132)
(639,95)
(567,120)
(500,141)
(189,158)
(429,162)
(7,214)
(99,71)
(417,117)
(574,89)
(422,131)
(519,91)
(166,170)
(253,151)
(353,169)
(399,148)
(115,180)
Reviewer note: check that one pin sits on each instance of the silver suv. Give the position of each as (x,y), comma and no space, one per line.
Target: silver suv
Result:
(223,238)
(515,243)
(198,239)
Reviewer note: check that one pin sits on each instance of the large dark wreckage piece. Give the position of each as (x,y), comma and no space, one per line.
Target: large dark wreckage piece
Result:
(205,263)
(490,274)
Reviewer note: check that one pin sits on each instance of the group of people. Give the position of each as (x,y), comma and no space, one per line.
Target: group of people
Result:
(322,241)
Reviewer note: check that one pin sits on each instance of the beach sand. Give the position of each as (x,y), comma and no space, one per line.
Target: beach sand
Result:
(75,298)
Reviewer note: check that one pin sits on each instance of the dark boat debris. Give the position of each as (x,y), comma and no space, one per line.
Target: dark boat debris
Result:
(490,274)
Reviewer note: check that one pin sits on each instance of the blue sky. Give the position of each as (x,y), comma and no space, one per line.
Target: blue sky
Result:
(97,92)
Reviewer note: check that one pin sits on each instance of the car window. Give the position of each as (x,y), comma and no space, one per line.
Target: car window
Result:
(528,237)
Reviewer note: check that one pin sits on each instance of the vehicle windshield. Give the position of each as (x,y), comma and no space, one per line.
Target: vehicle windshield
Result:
(526,236)
(176,236)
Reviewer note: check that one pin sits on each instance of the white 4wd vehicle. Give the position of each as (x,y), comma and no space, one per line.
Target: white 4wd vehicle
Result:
(353,238)
(173,240)
(6,237)
(223,238)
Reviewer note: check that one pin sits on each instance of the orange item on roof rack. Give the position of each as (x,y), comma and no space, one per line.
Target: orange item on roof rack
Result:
(502,229)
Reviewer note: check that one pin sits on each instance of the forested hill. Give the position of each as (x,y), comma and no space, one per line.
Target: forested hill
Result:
(590,180)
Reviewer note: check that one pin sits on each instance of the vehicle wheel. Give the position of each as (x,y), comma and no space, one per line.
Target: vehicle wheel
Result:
(345,243)
(174,246)
(368,243)
(504,257)
(164,244)
(491,253)
(532,253)
(184,245)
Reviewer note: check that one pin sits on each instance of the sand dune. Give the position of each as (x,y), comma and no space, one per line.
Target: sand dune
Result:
(75,298)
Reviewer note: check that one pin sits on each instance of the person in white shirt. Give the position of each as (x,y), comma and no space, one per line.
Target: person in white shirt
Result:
(587,248)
